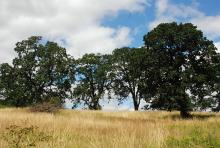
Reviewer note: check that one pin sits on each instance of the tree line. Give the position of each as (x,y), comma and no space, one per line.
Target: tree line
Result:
(177,68)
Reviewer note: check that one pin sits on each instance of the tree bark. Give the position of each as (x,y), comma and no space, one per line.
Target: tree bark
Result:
(136,104)
(184,114)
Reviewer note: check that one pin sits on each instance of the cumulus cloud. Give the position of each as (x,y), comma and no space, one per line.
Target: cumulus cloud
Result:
(166,11)
(209,24)
(99,39)
(77,24)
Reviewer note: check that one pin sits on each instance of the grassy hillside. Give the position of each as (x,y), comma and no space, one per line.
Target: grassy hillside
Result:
(97,129)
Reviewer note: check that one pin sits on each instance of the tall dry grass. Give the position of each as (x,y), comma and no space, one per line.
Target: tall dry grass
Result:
(99,129)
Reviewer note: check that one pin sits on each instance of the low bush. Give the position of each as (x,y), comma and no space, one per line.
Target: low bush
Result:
(19,137)
(51,106)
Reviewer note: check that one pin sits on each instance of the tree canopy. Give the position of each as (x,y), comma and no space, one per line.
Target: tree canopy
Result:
(40,72)
(92,79)
(128,75)
(177,68)
(185,62)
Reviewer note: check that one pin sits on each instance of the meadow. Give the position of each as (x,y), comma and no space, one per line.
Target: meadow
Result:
(101,129)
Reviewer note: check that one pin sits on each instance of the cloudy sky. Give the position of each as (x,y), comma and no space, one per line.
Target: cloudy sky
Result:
(99,25)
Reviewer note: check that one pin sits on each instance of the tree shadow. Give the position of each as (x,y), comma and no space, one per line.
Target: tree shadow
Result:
(192,116)
(203,116)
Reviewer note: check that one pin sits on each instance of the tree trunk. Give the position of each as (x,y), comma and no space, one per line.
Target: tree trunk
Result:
(184,114)
(96,106)
(136,104)
(184,104)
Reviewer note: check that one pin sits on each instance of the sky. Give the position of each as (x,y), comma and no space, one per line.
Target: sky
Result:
(99,26)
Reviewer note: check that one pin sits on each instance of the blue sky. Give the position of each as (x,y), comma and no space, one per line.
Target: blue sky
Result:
(99,26)
(139,22)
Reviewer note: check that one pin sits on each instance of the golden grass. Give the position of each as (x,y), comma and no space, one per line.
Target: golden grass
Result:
(99,129)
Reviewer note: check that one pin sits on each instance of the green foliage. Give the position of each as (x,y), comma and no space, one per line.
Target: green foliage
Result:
(216,106)
(92,79)
(128,76)
(184,61)
(40,71)
(9,87)
(176,69)
(20,137)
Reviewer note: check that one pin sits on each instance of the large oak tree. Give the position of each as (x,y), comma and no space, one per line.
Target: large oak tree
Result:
(41,70)
(185,62)
(128,77)
(92,80)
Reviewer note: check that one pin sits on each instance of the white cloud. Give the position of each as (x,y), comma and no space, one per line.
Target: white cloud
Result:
(77,22)
(168,12)
(209,24)
(100,39)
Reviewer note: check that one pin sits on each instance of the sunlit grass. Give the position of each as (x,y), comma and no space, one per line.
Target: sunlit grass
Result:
(98,129)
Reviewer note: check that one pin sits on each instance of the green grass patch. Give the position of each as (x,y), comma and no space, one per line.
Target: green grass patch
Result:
(198,137)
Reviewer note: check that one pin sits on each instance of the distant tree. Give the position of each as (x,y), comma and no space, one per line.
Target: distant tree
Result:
(92,80)
(40,72)
(129,79)
(184,63)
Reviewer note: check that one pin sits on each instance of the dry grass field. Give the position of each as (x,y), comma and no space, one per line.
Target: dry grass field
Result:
(99,129)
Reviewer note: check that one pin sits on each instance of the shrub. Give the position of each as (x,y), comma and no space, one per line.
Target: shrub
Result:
(51,106)
(19,137)
(3,104)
